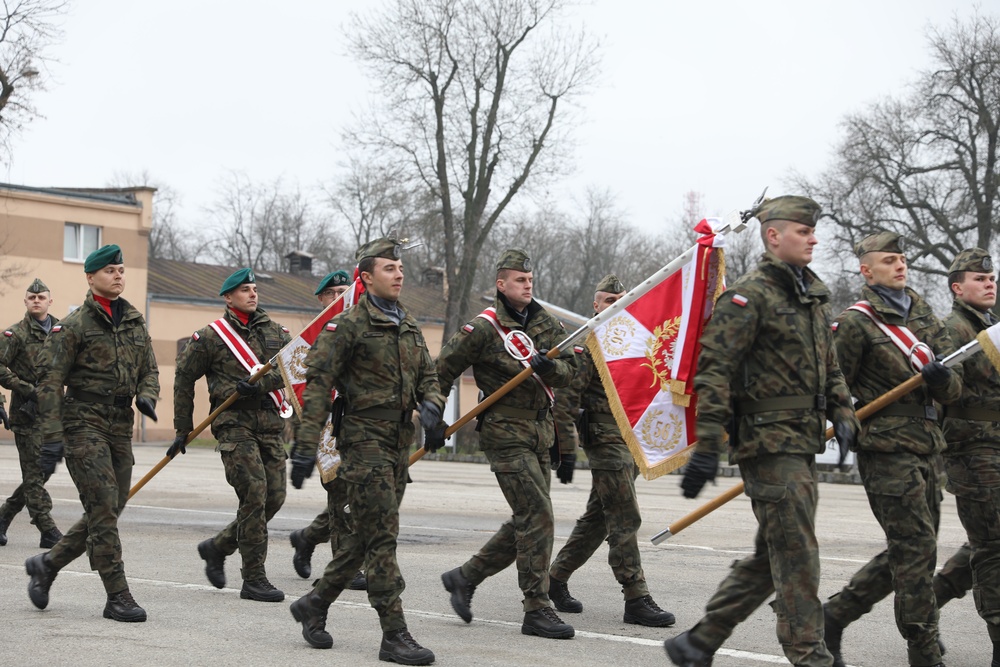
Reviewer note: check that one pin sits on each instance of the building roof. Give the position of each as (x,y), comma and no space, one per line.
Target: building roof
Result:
(196,283)
(123,196)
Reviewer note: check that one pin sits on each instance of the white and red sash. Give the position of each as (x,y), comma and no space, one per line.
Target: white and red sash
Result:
(513,341)
(249,361)
(917,352)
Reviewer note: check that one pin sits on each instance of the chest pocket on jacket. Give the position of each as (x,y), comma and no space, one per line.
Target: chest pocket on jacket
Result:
(272,343)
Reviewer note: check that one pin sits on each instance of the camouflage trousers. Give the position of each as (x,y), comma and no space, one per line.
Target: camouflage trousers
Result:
(31,492)
(783,494)
(373,477)
(334,519)
(904,495)
(526,537)
(975,481)
(613,513)
(256,471)
(101,468)
(954,579)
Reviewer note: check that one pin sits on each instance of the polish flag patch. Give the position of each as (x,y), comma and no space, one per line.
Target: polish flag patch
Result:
(57,328)
(195,336)
(331,327)
(285,329)
(8,333)
(740,300)
(835,325)
(468,328)
(578,349)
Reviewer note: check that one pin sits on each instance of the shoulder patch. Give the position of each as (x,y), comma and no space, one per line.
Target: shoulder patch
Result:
(8,333)
(468,328)
(331,327)
(195,336)
(578,349)
(740,300)
(285,329)
(57,328)
(834,326)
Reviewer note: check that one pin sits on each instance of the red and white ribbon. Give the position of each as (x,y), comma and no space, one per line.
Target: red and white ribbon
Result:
(917,353)
(518,345)
(249,360)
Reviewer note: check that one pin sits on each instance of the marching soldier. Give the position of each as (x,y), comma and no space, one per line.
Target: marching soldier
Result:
(612,509)
(332,520)
(102,354)
(376,357)
(20,348)
(515,435)
(249,432)
(768,367)
(881,340)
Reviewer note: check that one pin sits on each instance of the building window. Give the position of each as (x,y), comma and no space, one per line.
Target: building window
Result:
(80,240)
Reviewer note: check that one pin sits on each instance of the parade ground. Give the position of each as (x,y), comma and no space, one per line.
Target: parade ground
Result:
(448,512)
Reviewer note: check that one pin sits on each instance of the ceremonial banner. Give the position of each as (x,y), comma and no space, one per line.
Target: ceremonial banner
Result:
(292,363)
(646,356)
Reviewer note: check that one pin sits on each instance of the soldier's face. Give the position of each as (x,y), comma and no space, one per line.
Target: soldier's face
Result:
(38,304)
(330,294)
(603,300)
(979,290)
(887,269)
(516,286)
(243,298)
(386,279)
(793,243)
(108,282)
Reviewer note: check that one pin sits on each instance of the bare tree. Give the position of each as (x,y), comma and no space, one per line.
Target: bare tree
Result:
(27,29)
(476,101)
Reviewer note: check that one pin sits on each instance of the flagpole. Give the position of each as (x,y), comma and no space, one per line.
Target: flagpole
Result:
(891,396)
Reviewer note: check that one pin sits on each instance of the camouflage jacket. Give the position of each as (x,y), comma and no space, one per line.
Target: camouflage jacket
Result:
(767,340)
(980,386)
(86,351)
(873,365)
(478,344)
(373,363)
(20,348)
(206,354)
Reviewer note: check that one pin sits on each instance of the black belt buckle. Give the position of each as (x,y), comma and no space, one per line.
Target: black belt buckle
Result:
(542,414)
(930,412)
(122,401)
(821,402)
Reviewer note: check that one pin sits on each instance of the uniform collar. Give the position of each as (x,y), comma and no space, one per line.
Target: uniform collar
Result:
(816,289)
(974,314)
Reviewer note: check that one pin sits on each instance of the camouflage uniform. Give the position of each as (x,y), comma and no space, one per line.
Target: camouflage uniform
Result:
(768,351)
(20,349)
(896,450)
(383,371)
(249,432)
(515,435)
(103,367)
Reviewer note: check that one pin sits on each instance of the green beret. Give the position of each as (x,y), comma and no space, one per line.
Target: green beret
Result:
(97,260)
(387,247)
(241,277)
(802,210)
(881,242)
(976,260)
(335,279)
(37,287)
(610,284)
(514,258)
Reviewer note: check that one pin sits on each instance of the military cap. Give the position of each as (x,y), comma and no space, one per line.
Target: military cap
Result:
(97,260)
(514,258)
(241,277)
(387,247)
(335,279)
(802,210)
(37,287)
(610,284)
(880,242)
(976,260)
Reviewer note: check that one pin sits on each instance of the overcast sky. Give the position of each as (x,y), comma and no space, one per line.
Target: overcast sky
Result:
(718,97)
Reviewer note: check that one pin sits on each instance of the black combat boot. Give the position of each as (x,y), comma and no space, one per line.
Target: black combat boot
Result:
(399,646)
(122,607)
(4,524)
(42,575)
(310,610)
(302,558)
(545,622)
(359,583)
(683,652)
(996,654)
(461,593)
(214,563)
(559,594)
(644,611)
(261,590)
(49,538)
(833,631)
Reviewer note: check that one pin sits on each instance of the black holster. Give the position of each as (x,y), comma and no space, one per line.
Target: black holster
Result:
(337,410)
(583,427)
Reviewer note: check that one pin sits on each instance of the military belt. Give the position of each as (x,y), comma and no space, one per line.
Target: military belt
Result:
(601,418)
(917,411)
(519,413)
(975,414)
(253,404)
(384,414)
(103,399)
(814,402)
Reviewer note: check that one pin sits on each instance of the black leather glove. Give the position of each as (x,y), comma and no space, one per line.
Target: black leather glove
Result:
(246,389)
(936,374)
(542,364)
(302,468)
(434,437)
(700,469)
(29,409)
(567,464)
(50,456)
(430,415)
(178,445)
(4,418)
(146,406)
(846,433)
